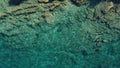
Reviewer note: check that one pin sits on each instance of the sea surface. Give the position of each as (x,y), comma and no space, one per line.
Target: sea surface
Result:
(59,34)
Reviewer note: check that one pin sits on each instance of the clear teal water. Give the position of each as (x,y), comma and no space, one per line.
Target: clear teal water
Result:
(71,40)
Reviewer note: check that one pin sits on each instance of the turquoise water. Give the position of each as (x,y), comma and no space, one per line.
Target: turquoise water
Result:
(70,38)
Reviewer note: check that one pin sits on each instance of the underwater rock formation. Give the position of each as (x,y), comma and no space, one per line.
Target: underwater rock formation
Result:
(59,34)
(41,1)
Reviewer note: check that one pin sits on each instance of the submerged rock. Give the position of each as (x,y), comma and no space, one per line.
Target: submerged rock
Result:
(43,1)
(60,34)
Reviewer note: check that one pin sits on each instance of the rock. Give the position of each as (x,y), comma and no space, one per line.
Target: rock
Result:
(43,1)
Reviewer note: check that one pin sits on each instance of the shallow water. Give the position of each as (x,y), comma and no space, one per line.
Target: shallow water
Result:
(69,36)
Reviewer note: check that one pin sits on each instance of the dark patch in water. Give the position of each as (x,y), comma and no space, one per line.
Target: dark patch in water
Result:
(15,2)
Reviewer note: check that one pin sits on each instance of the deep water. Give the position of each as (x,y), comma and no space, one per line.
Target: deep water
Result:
(69,40)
